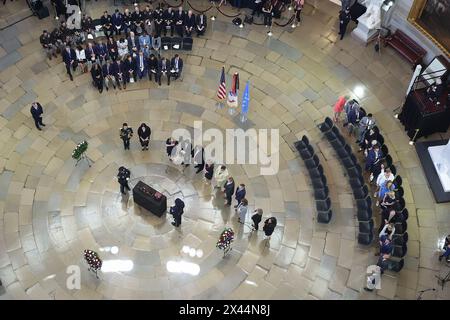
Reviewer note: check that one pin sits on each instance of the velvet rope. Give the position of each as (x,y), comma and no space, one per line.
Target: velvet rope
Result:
(227,15)
(287,23)
(201,11)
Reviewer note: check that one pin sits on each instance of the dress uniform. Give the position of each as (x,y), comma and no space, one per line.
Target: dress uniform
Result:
(123,176)
(344,19)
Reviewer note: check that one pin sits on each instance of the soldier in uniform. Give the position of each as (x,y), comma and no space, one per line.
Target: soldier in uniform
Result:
(344,19)
(159,19)
(169,17)
(138,20)
(179,21)
(125,134)
(128,24)
(123,176)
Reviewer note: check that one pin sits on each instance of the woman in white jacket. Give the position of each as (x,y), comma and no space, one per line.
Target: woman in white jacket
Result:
(242,209)
(122,47)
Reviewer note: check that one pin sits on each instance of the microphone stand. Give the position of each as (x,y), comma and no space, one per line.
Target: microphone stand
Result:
(423,291)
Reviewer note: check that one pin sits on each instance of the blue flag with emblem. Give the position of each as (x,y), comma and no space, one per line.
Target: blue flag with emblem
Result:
(245,99)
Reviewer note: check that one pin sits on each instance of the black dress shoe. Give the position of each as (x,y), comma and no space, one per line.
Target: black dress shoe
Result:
(42,124)
(173,223)
(39,129)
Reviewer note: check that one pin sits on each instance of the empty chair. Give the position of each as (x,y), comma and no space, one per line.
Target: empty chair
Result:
(177,43)
(398,181)
(364,204)
(349,161)
(324,216)
(396,266)
(312,163)
(365,238)
(399,192)
(380,140)
(354,171)
(307,153)
(187,44)
(364,215)
(366,226)
(385,150)
(393,169)
(166,43)
(300,144)
(400,204)
(342,152)
(399,239)
(400,227)
(338,143)
(405,214)
(330,135)
(356,182)
(319,183)
(388,160)
(316,172)
(321,194)
(326,125)
(323,205)
(305,140)
(400,251)
(361,193)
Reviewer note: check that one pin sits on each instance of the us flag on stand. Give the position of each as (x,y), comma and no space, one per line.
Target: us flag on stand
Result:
(222,92)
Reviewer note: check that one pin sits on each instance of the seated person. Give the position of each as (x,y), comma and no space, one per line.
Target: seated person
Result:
(163,69)
(156,43)
(48,43)
(122,47)
(141,65)
(97,77)
(106,22)
(108,76)
(152,67)
(179,17)
(373,157)
(446,248)
(371,135)
(87,25)
(200,24)
(130,68)
(90,54)
(385,175)
(117,21)
(169,20)
(117,70)
(145,43)
(101,51)
(113,49)
(388,231)
(388,201)
(138,19)
(386,187)
(133,44)
(176,66)
(189,23)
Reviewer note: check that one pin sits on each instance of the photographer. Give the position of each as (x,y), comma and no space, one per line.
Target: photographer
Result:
(122,177)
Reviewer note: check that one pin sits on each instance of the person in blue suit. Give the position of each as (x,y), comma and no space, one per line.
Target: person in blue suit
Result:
(117,21)
(373,157)
(240,194)
(37,111)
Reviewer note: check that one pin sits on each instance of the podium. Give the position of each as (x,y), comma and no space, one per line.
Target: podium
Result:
(147,197)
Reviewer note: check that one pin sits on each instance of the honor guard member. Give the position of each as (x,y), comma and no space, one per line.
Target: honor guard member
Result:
(106,22)
(128,24)
(158,16)
(117,20)
(344,19)
(122,177)
(179,21)
(125,134)
(138,19)
(148,20)
(169,17)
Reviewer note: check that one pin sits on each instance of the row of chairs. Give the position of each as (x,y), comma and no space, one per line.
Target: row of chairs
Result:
(318,179)
(360,190)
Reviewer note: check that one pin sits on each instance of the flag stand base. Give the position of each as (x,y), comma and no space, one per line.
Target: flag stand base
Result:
(220,105)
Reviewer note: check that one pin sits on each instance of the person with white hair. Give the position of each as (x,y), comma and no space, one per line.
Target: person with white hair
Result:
(374,278)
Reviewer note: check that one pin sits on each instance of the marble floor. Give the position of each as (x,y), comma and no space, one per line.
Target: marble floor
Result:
(51,210)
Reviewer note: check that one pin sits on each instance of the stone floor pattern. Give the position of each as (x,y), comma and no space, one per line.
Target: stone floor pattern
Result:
(50,210)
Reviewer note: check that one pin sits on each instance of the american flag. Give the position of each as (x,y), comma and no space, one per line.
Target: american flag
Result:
(222,92)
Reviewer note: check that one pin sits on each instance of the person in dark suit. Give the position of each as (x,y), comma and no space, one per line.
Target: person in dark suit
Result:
(101,51)
(133,44)
(240,194)
(373,157)
(177,211)
(125,134)
(97,77)
(189,23)
(138,19)
(200,24)
(209,171)
(48,43)
(152,67)
(70,60)
(122,177)
(141,65)
(179,17)
(117,21)
(130,69)
(87,24)
(128,24)
(113,51)
(353,118)
(163,69)
(158,16)
(144,133)
(344,19)
(228,190)
(116,71)
(269,227)
(36,112)
(198,154)
(256,218)
(106,22)
(169,18)
(176,66)
(108,75)
(170,144)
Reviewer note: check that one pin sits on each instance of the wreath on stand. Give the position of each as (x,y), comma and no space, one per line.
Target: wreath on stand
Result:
(93,260)
(79,150)
(225,240)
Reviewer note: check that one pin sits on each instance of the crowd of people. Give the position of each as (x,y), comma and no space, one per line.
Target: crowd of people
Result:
(131,50)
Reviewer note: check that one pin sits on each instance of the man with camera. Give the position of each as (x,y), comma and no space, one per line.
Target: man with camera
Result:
(123,177)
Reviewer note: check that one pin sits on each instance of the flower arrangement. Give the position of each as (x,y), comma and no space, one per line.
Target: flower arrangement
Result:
(225,239)
(93,259)
(79,150)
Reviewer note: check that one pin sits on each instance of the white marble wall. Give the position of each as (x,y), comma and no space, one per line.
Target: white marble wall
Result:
(400,21)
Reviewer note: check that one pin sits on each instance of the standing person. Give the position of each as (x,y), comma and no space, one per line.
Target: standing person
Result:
(70,60)
(200,24)
(209,170)
(48,43)
(269,227)
(170,144)
(36,112)
(228,190)
(177,211)
(267,11)
(344,19)
(97,77)
(198,154)
(242,210)
(144,133)
(366,123)
(298,6)
(339,107)
(221,176)
(354,116)
(125,134)
(240,194)
(123,176)
(256,218)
